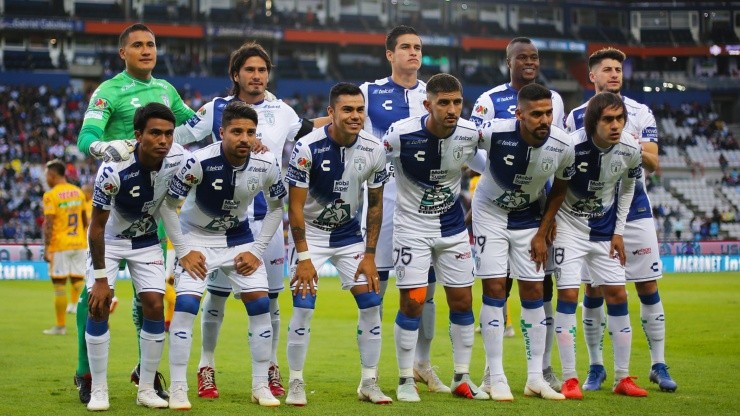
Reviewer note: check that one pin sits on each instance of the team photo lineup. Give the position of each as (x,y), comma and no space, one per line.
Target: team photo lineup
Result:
(396,192)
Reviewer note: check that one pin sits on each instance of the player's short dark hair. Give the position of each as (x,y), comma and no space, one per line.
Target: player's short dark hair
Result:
(136,27)
(56,166)
(443,83)
(605,53)
(239,56)
(237,110)
(391,39)
(343,88)
(510,46)
(596,105)
(152,110)
(533,92)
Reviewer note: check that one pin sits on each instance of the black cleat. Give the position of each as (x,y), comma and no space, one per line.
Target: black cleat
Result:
(160,386)
(84,385)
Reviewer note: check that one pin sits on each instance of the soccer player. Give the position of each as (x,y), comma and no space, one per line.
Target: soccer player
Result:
(591,223)
(106,131)
(500,102)
(428,153)
(523,154)
(643,265)
(126,206)
(218,185)
(388,100)
(249,68)
(327,171)
(65,240)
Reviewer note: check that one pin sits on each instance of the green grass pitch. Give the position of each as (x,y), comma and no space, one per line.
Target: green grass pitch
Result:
(703,351)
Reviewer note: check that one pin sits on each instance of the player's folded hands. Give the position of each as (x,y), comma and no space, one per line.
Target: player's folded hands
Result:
(195,264)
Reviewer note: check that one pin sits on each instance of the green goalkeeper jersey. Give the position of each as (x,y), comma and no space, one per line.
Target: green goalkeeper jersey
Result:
(110,113)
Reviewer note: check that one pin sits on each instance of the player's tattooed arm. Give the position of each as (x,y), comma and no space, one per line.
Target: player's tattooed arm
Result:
(305,278)
(374,218)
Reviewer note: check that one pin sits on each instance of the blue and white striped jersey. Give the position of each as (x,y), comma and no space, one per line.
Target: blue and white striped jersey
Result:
(590,207)
(133,195)
(501,102)
(517,174)
(640,125)
(277,123)
(428,174)
(334,176)
(217,195)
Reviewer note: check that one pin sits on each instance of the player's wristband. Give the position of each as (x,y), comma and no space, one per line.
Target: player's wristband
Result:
(100,274)
(304,255)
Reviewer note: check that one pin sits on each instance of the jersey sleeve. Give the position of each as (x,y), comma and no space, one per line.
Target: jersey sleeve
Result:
(570,122)
(189,175)
(197,127)
(567,167)
(648,127)
(299,167)
(274,188)
(182,112)
(635,166)
(380,173)
(107,185)
(558,110)
(485,132)
(50,205)
(99,111)
(392,143)
(294,121)
(482,110)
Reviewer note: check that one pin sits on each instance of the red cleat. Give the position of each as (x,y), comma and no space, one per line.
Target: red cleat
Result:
(207,383)
(275,381)
(571,389)
(627,387)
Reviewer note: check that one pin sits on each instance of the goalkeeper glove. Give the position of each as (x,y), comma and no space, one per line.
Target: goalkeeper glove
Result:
(113,151)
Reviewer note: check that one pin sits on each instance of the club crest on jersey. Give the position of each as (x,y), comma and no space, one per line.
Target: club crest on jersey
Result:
(615,166)
(269,118)
(457,152)
(547,164)
(165,100)
(336,213)
(252,184)
(360,163)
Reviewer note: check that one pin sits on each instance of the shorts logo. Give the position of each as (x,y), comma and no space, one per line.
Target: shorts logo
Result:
(559,256)
(463,256)
(642,251)
(359,256)
(277,261)
(400,272)
(655,267)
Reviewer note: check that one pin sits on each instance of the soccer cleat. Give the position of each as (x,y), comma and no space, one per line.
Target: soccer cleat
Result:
(296,393)
(485,384)
(659,375)
(263,396)
(429,377)
(509,332)
(571,390)
(179,397)
(500,390)
(407,391)
(552,379)
(595,378)
(207,383)
(148,397)
(84,385)
(465,388)
(370,392)
(627,387)
(275,381)
(56,330)
(542,389)
(71,308)
(99,399)
(159,384)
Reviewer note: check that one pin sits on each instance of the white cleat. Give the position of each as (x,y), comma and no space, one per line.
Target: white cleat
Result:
(179,397)
(485,384)
(71,308)
(296,393)
(148,397)
(542,389)
(552,379)
(262,395)
(429,377)
(56,330)
(407,392)
(465,388)
(500,390)
(98,399)
(370,392)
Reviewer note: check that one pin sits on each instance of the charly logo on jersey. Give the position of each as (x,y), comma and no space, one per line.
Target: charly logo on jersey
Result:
(615,166)
(436,200)
(513,199)
(590,207)
(334,214)
(165,100)
(437,174)
(141,226)
(224,223)
(547,164)
(360,163)
(457,152)
(341,185)
(269,117)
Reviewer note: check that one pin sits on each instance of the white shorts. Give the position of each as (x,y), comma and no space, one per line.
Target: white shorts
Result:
(68,263)
(146,266)
(221,260)
(643,255)
(574,254)
(345,259)
(451,257)
(499,249)
(273,257)
(169,263)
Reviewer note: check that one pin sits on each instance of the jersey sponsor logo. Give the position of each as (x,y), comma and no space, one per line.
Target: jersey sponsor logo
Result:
(615,166)
(437,174)
(582,152)
(256,169)
(569,171)
(214,168)
(520,179)
(591,207)
(650,132)
(99,198)
(512,200)
(130,175)
(382,176)
(97,115)
(99,104)
(547,163)
(503,99)
(341,185)
(481,109)
(595,186)
(141,226)
(193,121)
(148,205)
(553,149)
(364,148)
(622,153)
(436,200)
(224,223)
(635,172)
(320,150)
(128,86)
(457,152)
(229,204)
(360,163)
(334,214)
(277,190)
(169,165)
(295,175)
(506,143)
(642,251)
(383,91)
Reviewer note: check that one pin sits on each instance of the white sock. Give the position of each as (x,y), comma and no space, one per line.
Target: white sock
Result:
(213,308)
(621,333)
(492,330)
(275,322)
(368,336)
(565,333)
(549,334)
(462,335)
(426,327)
(533,332)
(152,346)
(593,331)
(653,323)
(97,355)
(405,340)
(299,334)
(181,339)
(260,343)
